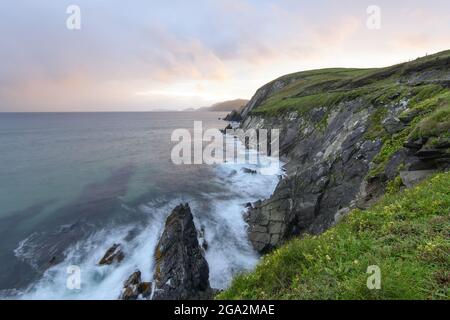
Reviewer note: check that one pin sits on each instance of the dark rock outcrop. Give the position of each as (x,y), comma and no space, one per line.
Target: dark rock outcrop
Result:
(330,151)
(228,127)
(112,255)
(249,171)
(181,270)
(233,116)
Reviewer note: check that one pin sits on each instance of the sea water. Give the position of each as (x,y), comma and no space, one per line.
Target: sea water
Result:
(73,184)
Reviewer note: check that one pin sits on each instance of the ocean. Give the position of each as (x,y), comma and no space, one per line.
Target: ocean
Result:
(74,184)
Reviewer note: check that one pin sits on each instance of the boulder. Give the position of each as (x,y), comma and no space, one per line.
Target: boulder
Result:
(393,124)
(415,143)
(112,255)
(181,270)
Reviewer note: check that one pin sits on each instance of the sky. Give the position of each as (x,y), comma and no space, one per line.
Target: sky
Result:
(144,55)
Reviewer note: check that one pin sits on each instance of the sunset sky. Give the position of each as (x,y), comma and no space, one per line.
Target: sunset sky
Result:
(144,55)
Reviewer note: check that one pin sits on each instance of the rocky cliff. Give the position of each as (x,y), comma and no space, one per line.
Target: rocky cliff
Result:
(181,269)
(349,136)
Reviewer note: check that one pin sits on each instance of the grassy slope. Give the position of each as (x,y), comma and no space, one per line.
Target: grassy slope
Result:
(230,105)
(407,235)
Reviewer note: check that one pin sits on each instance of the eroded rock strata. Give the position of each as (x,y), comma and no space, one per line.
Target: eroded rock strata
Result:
(181,269)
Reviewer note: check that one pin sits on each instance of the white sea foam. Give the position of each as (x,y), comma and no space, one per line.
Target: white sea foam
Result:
(219,215)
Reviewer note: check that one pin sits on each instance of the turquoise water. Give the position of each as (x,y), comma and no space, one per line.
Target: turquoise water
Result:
(73,184)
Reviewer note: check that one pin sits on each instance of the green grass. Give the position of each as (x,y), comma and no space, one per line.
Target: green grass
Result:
(407,235)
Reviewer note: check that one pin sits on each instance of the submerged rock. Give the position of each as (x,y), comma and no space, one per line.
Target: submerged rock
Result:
(112,255)
(181,269)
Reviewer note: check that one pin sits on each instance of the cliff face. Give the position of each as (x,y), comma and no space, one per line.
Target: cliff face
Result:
(349,136)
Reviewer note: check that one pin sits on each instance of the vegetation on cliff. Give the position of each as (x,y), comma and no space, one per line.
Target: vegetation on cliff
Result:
(407,234)
(397,134)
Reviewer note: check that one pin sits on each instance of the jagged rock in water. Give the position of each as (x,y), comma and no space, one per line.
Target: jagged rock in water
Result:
(181,269)
(328,157)
(112,255)
(234,116)
(133,288)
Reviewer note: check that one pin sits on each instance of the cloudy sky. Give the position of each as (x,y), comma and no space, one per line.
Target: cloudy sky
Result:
(149,54)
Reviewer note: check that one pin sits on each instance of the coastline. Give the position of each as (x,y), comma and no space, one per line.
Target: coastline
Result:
(221,228)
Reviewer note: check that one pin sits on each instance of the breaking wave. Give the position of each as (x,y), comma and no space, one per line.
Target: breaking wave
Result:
(218,216)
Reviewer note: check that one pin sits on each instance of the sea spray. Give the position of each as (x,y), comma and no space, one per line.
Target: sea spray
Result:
(220,216)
